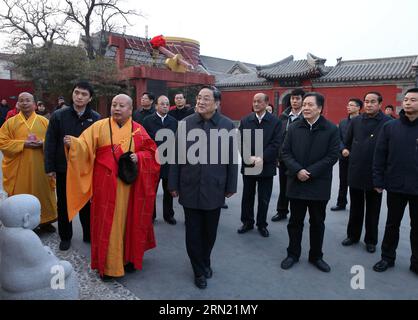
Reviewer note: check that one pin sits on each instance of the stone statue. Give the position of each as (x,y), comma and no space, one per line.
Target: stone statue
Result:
(28,270)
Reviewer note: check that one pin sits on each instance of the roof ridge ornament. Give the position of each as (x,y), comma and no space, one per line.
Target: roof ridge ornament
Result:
(240,65)
(287,60)
(415,65)
(315,61)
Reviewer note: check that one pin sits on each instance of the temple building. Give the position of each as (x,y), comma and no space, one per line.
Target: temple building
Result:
(239,81)
(163,65)
(389,76)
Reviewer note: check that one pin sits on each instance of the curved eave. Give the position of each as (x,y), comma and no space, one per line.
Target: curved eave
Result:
(243,84)
(376,78)
(289,76)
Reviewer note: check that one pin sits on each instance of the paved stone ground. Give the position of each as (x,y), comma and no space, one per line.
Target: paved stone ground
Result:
(247,267)
(90,285)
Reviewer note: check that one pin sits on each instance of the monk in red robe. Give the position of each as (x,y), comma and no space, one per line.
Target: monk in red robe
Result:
(121,214)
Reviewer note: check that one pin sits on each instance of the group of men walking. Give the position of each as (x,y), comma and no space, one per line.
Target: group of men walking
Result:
(83,155)
(375,152)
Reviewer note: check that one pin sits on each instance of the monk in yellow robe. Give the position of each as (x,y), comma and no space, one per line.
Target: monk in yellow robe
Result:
(21,141)
(121,214)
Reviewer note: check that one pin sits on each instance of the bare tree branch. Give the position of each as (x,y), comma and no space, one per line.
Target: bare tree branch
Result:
(84,14)
(36,22)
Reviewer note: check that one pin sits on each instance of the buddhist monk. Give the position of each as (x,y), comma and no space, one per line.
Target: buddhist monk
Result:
(121,213)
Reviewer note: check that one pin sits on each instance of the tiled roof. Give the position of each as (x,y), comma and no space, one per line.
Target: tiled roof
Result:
(221,66)
(373,69)
(291,69)
(137,57)
(246,79)
(6,56)
(240,67)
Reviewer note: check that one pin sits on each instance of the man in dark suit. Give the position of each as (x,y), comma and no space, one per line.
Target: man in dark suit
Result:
(390,111)
(290,115)
(4,109)
(201,180)
(353,109)
(181,111)
(265,159)
(72,120)
(153,123)
(310,151)
(360,144)
(147,108)
(395,168)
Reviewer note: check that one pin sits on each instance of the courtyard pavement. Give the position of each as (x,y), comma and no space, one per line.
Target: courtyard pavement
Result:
(247,267)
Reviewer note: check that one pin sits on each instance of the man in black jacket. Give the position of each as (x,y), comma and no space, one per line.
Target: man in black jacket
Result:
(290,115)
(310,151)
(61,103)
(4,109)
(390,111)
(147,108)
(71,120)
(181,111)
(266,160)
(360,144)
(201,183)
(395,168)
(353,108)
(158,121)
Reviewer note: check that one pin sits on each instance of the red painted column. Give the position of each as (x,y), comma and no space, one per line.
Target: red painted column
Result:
(140,87)
(120,45)
(120,55)
(103,107)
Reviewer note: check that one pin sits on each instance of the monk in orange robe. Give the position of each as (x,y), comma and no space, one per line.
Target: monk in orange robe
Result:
(21,141)
(121,214)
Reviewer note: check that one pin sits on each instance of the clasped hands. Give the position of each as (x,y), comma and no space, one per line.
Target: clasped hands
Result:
(304,175)
(31,144)
(256,161)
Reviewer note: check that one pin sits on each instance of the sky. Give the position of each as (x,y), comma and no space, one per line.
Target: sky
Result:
(265,31)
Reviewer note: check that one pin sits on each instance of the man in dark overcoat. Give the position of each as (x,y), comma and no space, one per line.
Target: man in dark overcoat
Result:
(310,151)
(266,160)
(204,178)
(161,120)
(395,169)
(360,144)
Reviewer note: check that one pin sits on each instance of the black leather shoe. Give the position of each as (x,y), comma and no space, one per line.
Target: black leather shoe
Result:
(321,265)
(65,245)
(288,263)
(338,208)
(279,217)
(245,228)
(129,267)
(414,269)
(106,278)
(264,232)
(371,248)
(208,273)
(383,265)
(200,282)
(348,242)
(171,221)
